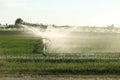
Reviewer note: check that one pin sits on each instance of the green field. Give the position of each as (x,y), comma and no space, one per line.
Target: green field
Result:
(96,53)
(60,77)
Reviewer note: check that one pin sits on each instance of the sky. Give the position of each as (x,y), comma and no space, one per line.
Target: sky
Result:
(62,12)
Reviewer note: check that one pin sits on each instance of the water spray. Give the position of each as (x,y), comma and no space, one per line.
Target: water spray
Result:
(41,41)
(60,39)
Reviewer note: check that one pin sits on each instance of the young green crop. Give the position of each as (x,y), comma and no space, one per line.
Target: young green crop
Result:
(94,56)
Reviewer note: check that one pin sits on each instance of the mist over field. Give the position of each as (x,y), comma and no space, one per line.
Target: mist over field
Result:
(59,40)
(81,50)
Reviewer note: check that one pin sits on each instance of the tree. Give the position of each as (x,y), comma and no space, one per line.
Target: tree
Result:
(18,21)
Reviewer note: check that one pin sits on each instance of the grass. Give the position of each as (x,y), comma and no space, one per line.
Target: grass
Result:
(16,56)
(61,77)
(37,66)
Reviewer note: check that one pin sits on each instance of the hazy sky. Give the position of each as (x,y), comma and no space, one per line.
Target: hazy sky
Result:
(62,12)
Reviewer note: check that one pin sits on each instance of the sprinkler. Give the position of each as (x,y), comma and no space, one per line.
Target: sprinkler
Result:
(60,38)
(41,42)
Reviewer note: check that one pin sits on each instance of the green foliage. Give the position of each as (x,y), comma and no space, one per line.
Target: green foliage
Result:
(16,57)
(18,21)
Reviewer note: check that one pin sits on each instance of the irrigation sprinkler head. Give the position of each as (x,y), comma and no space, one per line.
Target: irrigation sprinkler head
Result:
(42,38)
(41,43)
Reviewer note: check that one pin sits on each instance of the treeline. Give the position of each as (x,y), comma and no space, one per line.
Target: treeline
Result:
(19,21)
